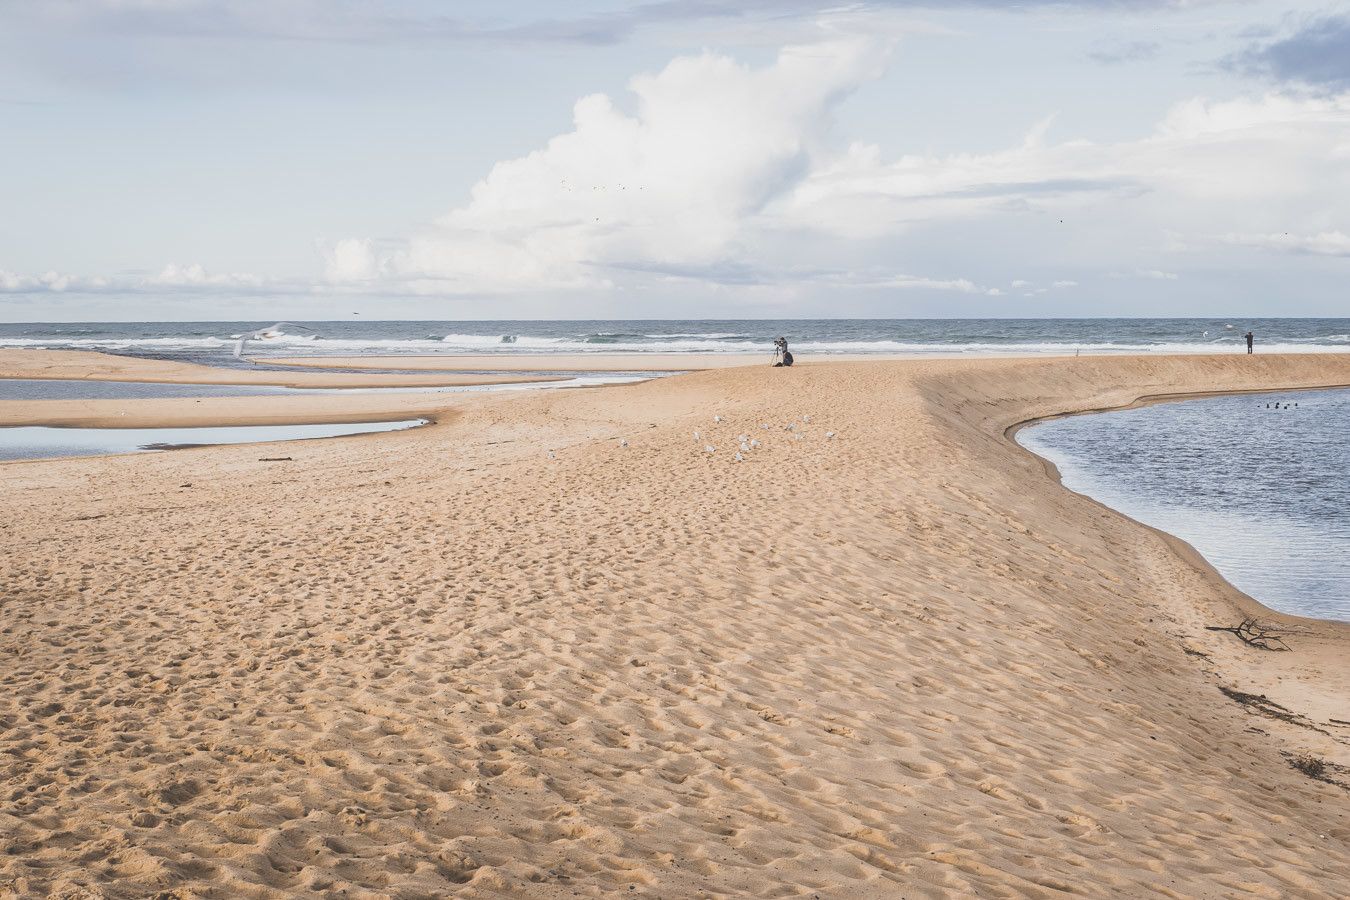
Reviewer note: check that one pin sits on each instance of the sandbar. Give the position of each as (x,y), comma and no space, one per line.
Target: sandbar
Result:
(93,366)
(507,655)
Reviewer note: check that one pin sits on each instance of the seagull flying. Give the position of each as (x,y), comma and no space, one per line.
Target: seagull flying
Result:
(264,334)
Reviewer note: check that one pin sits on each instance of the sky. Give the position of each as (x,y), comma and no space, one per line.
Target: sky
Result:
(242,159)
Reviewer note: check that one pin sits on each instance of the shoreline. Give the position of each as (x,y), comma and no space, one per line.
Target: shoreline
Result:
(905,657)
(1243,602)
(631,361)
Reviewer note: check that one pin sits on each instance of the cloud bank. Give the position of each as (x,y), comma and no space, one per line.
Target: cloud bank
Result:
(723,173)
(714,175)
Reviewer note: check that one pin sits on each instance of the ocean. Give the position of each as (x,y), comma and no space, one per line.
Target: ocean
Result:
(215,341)
(1256,482)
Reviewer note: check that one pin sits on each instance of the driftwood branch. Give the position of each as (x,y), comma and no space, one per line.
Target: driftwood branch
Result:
(1262,635)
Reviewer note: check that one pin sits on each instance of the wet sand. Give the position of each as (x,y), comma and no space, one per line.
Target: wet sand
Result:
(900,662)
(78,364)
(535,362)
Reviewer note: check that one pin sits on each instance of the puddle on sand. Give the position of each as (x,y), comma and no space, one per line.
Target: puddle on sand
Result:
(45,442)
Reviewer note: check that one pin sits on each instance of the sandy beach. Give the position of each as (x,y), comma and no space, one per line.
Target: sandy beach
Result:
(505,656)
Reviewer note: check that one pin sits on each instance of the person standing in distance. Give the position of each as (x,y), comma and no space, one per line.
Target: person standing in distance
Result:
(1250,338)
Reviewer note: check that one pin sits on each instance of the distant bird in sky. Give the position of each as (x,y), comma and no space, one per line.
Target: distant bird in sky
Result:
(264,334)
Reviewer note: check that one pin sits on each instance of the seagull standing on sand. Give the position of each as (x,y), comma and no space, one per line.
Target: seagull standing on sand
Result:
(263,334)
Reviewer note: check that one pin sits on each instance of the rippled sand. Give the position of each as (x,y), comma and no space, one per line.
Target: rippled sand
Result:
(899,662)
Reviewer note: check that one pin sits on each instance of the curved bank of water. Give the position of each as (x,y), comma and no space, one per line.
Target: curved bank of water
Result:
(1259,484)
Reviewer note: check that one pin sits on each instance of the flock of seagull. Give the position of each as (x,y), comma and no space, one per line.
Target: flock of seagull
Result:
(746,443)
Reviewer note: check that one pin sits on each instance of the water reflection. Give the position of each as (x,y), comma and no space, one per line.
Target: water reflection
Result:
(42,442)
(1256,483)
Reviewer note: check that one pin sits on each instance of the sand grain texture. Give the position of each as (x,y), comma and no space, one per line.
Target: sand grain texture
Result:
(900,663)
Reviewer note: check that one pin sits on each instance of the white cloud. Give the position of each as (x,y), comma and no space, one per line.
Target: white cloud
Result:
(720,165)
(47,282)
(1325,243)
(350,260)
(1150,274)
(173,277)
(195,275)
(684,180)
